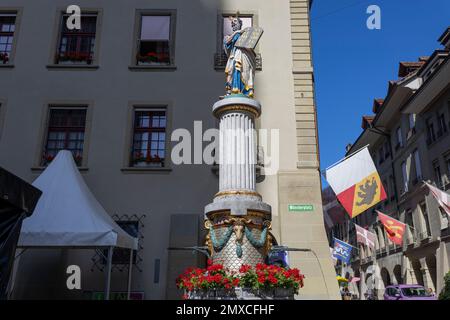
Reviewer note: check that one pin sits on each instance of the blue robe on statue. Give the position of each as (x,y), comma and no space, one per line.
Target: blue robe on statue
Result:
(240,66)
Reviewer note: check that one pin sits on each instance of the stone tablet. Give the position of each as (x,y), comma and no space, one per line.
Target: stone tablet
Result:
(250,38)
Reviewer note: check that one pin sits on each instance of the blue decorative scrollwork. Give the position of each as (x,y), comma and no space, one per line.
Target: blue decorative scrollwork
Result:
(219,244)
(239,250)
(256,243)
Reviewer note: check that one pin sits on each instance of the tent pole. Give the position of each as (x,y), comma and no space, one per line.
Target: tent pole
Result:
(14,268)
(129,274)
(108,273)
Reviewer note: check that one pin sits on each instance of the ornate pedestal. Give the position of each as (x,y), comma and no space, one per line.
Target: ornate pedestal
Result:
(237,219)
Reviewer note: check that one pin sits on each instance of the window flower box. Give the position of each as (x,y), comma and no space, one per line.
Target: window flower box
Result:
(153,58)
(4,58)
(149,161)
(74,58)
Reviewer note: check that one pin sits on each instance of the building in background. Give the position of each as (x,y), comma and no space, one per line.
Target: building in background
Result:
(409,140)
(113,93)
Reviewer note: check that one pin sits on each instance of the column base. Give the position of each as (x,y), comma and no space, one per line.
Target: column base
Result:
(239,205)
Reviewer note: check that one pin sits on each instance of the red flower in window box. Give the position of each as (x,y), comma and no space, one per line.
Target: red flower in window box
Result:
(4,57)
(78,158)
(153,57)
(74,56)
(48,157)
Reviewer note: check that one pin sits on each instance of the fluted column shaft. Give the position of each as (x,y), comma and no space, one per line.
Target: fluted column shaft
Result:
(237,149)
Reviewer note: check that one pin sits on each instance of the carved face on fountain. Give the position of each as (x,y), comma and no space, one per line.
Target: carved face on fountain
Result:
(238,229)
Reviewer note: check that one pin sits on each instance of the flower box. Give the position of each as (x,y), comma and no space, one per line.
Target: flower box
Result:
(4,59)
(262,282)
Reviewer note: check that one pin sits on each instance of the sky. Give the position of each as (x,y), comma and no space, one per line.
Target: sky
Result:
(352,64)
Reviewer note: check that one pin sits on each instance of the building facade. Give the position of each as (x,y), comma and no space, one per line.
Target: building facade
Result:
(115,92)
(409,143)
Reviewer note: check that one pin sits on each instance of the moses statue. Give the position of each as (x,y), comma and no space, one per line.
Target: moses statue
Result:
(241,65)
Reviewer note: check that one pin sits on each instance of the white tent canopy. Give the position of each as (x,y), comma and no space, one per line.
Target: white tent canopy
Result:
(68,215)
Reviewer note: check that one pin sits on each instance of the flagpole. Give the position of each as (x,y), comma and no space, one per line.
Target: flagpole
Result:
(374,274)
(347,243)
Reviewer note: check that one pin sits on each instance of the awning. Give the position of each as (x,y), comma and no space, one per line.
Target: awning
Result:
(68,215)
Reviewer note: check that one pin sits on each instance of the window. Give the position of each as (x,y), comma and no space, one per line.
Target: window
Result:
(392,292)
(412,125)
(409,221)
(381,155)
(149,138)
(399,138)
(77,46)
(442,125)
(155,40)
(412,120)
(445,222)
(447,173)
(447,162)
(415,292)
(7,28)
(2,112)
(424,211)
(387,189)
(405,177)
(392,187)
(437,173)
(66,129)
(431,136)
(417,165)
(387,151)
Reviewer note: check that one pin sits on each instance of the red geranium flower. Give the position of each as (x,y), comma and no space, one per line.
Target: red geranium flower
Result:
(244,268)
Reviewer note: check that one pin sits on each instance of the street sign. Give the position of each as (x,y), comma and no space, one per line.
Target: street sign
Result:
(300,207)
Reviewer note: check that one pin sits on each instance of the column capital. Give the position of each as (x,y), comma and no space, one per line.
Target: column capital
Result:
(237,103)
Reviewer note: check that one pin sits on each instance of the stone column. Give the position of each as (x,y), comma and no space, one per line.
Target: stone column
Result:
(237,219)
(362,284)
(410,275)
(237,154)
(427,281)
(442,266)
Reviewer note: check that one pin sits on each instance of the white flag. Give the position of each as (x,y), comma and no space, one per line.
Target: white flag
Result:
(356,182)
(443,198)
(365,237)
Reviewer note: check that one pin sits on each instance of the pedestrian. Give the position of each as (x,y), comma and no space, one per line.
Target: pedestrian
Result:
(346,295)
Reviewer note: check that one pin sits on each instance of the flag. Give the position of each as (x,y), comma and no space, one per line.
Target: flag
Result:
(365,237)
(342,250)
(356,183)
(332,256)
(355,279)
(443,198)
(394,228)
